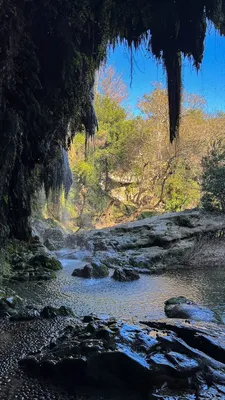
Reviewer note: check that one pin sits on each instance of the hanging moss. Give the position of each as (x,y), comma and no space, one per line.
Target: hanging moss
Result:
(49,51)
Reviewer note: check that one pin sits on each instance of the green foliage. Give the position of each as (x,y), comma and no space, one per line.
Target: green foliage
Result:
(213,178)
(182,190)
(130,169)
(90,193)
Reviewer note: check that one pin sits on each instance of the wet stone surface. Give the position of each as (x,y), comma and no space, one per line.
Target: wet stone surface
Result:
(181,307)
(163,360)
(125,275)
(20,338)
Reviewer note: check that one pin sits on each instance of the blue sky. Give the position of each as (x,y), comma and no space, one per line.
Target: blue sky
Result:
(209,82)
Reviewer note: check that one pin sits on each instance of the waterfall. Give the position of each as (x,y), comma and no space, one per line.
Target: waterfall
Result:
(66,172)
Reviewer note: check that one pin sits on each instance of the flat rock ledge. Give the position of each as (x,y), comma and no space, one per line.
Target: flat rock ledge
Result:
(153,245)
(161,359)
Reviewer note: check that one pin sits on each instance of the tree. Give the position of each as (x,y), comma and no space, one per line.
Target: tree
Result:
(131,167)
(213,178)
(111,85)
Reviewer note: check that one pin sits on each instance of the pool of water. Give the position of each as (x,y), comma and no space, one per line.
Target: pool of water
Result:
(127,300)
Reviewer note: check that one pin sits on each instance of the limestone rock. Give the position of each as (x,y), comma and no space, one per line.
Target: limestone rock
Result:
(55,236)
(180,307)
(50,245)
(93,270)
(85,272)
(99,270)
(161,359)
(46,262)
(125,275)
(153,244)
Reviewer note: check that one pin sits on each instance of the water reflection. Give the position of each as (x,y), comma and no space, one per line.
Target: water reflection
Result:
(138,299)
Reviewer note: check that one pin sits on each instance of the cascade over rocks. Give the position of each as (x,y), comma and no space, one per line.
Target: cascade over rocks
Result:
(49,52)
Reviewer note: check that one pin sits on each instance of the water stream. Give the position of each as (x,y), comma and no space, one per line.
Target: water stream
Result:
(127,300)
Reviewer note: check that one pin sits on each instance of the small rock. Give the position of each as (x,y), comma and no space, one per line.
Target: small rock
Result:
(25,315)
(91,327)
(85,272)
(88,318)
(51,312)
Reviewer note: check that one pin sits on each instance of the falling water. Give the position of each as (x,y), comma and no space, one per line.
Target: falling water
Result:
(67,173)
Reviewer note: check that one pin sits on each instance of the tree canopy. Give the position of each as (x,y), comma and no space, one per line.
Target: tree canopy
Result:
(131,169)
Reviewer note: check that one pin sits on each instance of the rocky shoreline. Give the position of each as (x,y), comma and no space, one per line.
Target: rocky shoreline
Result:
(155,359)
(149,246)
(48,353)
(167,359)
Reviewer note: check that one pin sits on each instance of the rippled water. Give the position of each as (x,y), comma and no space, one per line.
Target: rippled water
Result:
(138,299)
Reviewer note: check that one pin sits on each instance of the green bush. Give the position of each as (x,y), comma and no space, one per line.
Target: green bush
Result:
(213,178)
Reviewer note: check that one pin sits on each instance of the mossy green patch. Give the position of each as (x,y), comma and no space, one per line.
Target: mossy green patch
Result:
(44,261)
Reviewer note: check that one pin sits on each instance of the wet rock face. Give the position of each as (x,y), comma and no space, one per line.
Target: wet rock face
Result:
(49,233)
(93,270)
(54,237)
(160,359)
(125,275)
(46,262)
(181,307)
(50,245)
(32,262)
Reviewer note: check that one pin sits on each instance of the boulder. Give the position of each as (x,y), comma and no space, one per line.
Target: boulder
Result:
(93,270)
(181,307)
(45,261)
(85,272)
(71,370)
(99,270)
(125,275)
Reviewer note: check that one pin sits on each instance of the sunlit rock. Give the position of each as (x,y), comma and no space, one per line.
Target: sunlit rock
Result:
(180,307)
